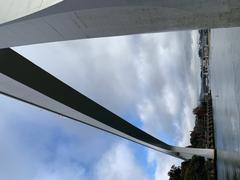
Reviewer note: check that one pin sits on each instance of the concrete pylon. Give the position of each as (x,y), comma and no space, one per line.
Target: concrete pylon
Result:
(80,19)
(22,80)
(15,9)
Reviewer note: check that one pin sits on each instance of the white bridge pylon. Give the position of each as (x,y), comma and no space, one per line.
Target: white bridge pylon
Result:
(22,80)
(81,19)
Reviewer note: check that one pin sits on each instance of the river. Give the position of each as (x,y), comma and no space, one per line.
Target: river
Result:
(225,85)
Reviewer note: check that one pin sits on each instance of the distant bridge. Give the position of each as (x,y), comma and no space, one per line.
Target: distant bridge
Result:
(80,19)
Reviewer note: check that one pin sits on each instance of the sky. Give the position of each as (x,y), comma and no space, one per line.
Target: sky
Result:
(151,80)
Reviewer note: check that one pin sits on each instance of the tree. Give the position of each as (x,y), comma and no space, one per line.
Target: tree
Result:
(174,173)
(196,169)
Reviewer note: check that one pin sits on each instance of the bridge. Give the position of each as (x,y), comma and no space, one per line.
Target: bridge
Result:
(80,19)
(56,20)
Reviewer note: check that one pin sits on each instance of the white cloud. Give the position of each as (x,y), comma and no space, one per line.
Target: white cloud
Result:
(170,101)
(163,164)
(186,126)
(168,76)
(119,163)
(61,172)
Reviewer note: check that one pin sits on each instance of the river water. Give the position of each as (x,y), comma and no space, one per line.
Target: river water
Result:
(225,85)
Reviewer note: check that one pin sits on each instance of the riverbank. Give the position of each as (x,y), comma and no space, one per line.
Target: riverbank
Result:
(204,123)
(202,136)
(206,99)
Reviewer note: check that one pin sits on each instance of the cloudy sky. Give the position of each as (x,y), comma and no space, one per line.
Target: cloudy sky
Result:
(151,80)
